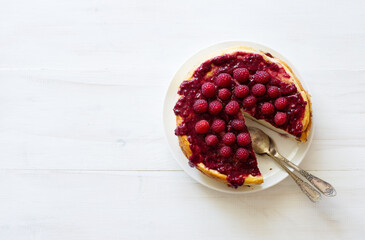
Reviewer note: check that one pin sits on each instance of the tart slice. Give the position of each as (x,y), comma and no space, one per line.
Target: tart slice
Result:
(215,99)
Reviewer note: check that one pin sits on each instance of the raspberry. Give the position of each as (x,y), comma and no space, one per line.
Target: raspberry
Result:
(249,102)
(238,124)
(225,152)
(200,106)
(258,90)
(241,74)
(218,125)
(267,108)
(281,103)
(208,89)
(243,139)
(232,108)
(229,138)
(261,77)
(241,91)
(215,107)
(242,154)
(224,94)
(288,89)
(202,126)
(223,80)
(273,92)
(211,140)
(280,118)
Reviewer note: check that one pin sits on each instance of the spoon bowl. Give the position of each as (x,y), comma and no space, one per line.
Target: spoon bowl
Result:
(260,141)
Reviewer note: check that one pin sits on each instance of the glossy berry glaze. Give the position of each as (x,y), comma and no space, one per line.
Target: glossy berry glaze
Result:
(217,156)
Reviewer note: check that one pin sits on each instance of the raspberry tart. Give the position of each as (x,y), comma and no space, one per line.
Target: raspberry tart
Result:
(216,97)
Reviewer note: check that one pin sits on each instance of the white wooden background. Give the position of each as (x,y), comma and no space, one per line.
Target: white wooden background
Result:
(82,148)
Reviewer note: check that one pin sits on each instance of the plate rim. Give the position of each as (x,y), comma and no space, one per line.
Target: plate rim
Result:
(205,52)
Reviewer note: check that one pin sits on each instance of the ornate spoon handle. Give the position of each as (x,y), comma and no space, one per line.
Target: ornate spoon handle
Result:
(323,186)
(307,189)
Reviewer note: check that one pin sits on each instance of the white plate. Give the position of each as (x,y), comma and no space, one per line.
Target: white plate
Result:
(271,172)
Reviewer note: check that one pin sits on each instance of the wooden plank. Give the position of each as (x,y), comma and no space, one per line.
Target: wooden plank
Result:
(135,205)
(81,120)
(158,35)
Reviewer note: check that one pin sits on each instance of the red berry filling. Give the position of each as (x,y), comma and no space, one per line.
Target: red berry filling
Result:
(202,126)
(267,108)
(232,108)
(273,92)
(238,124)
(261,77)
(249,102)
(225,152)
(218,125)
(241,91)
(229,138)
(281,103)
(280,118)
(243,139)
(208,89)
(223,80)
(211,140)
(242,154)
(241,74)
(224,94)
(215,107)
(200,106)
(258,90)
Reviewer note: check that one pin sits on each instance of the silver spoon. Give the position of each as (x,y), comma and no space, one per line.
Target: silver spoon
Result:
(263,144)
(323,186)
